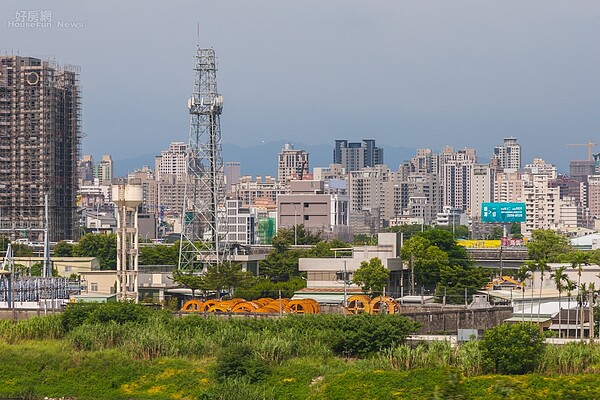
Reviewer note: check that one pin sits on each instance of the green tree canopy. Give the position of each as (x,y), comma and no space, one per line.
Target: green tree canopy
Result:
(227,276)
(4,241)
(190,280)
(457,231)
(299,234)
(454,279)
(427,259)
(63,249)
(263,287)
(372,276)
(512,348)
(323,248)
(160,254)
(104,247)
(281,263)
(21,250)
(457,255)
(361,239)
(545,244)
(408,231)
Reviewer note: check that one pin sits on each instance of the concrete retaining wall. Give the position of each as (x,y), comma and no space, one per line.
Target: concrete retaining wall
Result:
(433,320)
(18,314)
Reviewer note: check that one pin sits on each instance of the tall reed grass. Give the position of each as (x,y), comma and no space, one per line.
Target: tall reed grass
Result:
(571,358)
(35,328)
(467,357)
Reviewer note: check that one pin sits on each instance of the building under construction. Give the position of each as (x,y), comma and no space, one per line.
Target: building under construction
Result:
(39,139)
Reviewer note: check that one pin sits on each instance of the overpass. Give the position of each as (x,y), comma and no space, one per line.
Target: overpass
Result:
(505,257)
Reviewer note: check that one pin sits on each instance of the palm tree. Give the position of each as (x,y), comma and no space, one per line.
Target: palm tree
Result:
(578,260)
(559,276)
(531,267)
(592,291)
(582,294)
(522,275)
(542,266)
(569,287)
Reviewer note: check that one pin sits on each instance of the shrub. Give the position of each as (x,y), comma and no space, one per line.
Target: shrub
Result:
(239,361)
(91,313)
(512,348)
(360,335)
(452,389)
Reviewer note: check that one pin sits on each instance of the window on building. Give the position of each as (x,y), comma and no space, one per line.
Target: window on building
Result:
(93,287)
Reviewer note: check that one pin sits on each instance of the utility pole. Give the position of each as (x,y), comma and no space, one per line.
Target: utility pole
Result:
(295,226)
(412,274)
(47,270)
(591,313)
(345,288)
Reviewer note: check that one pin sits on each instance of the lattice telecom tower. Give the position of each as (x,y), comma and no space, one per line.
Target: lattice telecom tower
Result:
(202,229)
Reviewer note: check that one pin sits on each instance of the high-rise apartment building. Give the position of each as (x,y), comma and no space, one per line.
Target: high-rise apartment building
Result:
(291,163)
(233,173)
(86,169)
(104,170)
(482,187)
(509,154)
(581,169)
(424,196)
(368,198)
(542,204)
(456,170)
(172,161)
(242,223)
(593,192)
(571,188)
(39,137)
(539,166)
(145,177)
(260,190)
(356,156)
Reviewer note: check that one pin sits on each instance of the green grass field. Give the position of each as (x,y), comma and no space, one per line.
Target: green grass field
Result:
(33,370)
(126,352)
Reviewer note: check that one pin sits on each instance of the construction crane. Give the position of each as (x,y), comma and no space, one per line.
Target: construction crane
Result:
(301,168)
(589,146)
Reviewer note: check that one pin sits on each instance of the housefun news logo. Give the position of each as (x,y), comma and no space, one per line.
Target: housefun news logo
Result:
(41,19)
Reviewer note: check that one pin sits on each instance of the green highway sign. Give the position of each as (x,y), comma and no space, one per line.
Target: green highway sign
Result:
(503,212)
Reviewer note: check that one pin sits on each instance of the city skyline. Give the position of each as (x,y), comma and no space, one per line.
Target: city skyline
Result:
(418,75)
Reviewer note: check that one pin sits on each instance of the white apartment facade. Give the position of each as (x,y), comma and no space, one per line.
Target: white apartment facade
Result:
(172,161)
(482,188)
(542,205)
(291,163)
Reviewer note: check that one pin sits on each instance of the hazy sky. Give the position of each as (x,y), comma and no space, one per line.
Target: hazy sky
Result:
(405,73)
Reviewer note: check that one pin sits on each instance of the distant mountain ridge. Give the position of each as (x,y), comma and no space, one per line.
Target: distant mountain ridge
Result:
(261,159)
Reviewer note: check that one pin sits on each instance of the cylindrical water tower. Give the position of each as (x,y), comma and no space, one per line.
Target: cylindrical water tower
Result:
(127,198)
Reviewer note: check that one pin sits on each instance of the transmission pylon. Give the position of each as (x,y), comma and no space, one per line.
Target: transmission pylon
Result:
(202,225)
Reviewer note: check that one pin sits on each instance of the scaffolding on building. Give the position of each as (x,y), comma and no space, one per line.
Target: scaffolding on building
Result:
(40,133)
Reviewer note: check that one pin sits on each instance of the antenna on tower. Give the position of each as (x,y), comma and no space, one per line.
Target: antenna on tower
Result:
(202,221)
